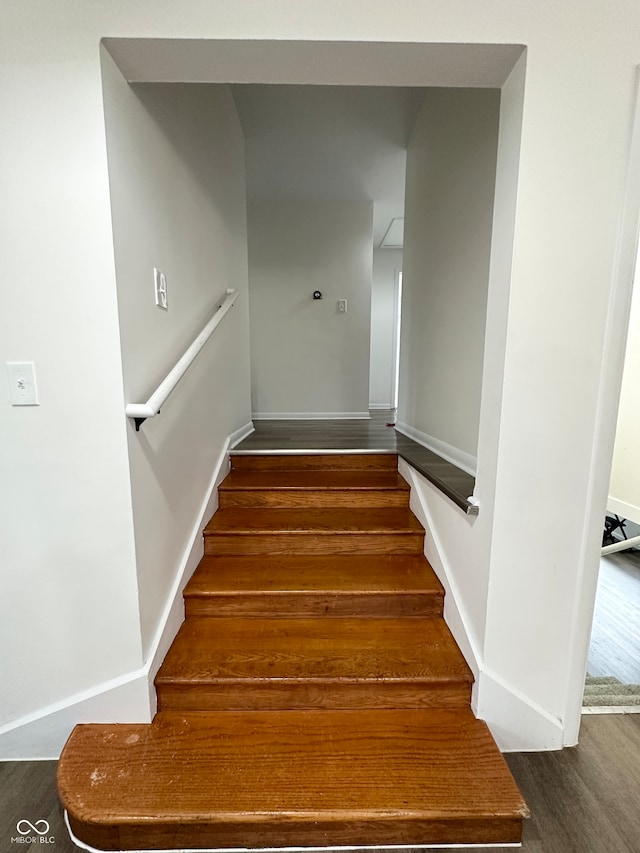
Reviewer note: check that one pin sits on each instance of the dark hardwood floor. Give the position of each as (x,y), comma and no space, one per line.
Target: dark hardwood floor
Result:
(367,435)
(582,800)
(615,636)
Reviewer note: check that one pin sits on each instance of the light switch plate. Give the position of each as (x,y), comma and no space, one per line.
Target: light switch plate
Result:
(342,306)
(22,383)
(160,287)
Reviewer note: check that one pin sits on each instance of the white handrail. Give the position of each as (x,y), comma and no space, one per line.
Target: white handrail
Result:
(622,545)
(141,411)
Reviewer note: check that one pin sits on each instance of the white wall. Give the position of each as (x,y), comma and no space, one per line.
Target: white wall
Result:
(451,164)
(553,391)
(306,357)
(176,167)
(69,604)
(387,263)
(624,490)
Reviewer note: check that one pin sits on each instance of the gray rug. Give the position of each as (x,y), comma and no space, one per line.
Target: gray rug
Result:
(607,691)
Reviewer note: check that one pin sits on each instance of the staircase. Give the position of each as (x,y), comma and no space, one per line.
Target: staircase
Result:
(313,696)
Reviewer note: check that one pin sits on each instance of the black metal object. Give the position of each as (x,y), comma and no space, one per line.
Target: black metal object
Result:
(611,524)
(139,421)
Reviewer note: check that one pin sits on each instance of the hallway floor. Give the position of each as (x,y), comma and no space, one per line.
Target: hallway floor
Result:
(360,435)
(615,643)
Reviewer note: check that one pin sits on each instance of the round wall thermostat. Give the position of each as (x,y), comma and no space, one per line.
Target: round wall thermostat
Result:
(317,294)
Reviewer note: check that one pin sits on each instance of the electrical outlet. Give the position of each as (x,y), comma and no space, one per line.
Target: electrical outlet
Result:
(160,288)
(22,383)
(342,306)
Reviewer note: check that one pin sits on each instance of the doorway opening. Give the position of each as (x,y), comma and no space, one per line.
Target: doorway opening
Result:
(397,318)
(613,667)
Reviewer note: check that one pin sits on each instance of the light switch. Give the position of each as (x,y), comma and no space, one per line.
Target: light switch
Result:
(22,383)
(160,286)
(342,306)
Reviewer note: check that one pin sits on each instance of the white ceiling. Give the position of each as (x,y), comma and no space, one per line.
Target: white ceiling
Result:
(329,142)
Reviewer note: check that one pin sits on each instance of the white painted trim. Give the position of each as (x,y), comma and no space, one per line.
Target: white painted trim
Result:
(394,387)
(310,451)
(499,704)
(610,382)
(173,615)
(83,846)
(452,454)
(623,509)
(240,434)
(454,612)
(610,709)
(383,406)
(43,733)
(310,416)
(493,700)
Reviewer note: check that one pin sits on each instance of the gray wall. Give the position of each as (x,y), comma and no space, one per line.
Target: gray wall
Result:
(451,167)
(306,358)
(176,173)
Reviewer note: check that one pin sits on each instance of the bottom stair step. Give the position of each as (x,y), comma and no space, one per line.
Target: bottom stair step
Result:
(289,778)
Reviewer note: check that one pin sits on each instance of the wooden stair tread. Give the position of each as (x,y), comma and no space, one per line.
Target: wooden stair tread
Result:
(318,650)
(313,697)
(283,778)
(317,521)
(331,573)
(378,479)
(310,461)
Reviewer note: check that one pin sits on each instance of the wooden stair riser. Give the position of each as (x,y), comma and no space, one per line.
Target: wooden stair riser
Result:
(345,498)
(309,663)
(315,604)
(316,585)
(316,462)
(256,834)
(312,696)
(314,543)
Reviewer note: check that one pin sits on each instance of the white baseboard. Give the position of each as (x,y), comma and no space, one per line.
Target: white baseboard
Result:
(624,510)
(386,406)
(516,722)
(310,416)
(240,434)
(130,697)
(173,615)
(454,613)
(452,454)
(610,709)
(41,735)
